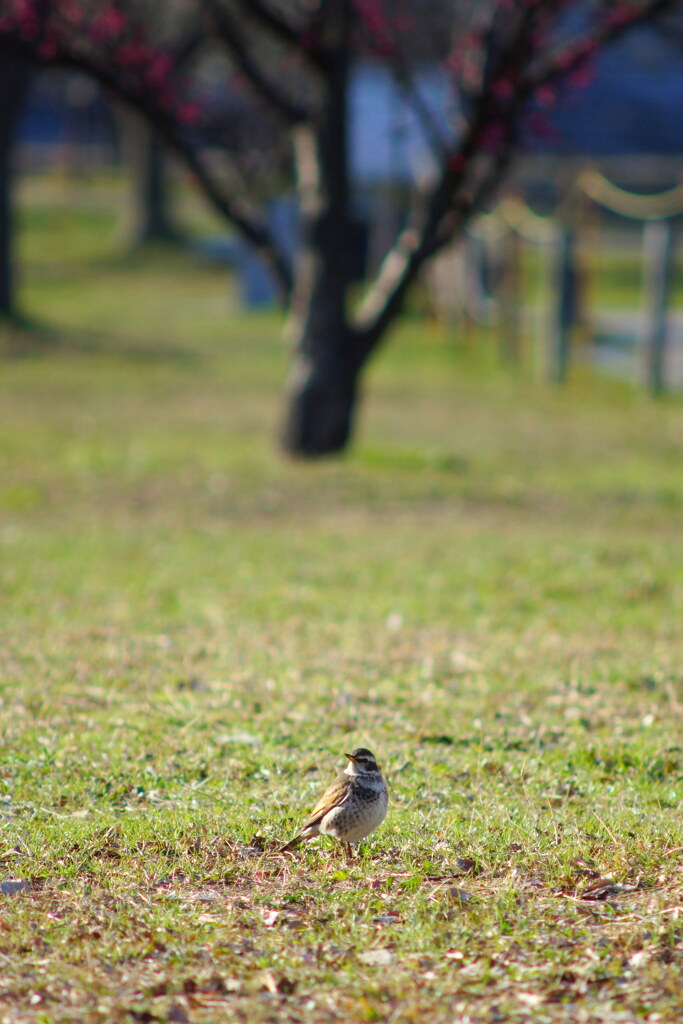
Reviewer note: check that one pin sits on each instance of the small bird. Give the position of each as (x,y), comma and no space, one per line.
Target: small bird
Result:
(352,807)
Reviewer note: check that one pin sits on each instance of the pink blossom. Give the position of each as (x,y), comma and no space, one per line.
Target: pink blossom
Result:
(189,113)
(108,25)
(503,89)
(72,12)
(165,97)
(539,125)
(384,45)
(160,67)
(574,57)
(457,162)
(48,49)
(546,96)
(582,76)
(26,10)
(619,15)
(308,40)
(493,137)
(454,61)
(371,14)
(30,29)
(133,54)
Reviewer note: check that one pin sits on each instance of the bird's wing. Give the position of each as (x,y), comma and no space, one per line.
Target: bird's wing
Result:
(334,796)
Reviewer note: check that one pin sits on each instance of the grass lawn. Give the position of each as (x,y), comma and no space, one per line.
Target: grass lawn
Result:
(488,591)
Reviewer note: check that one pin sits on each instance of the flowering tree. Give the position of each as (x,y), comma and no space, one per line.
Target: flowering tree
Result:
(291,63)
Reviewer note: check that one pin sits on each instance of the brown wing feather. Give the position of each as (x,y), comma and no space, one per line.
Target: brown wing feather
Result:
(333,796)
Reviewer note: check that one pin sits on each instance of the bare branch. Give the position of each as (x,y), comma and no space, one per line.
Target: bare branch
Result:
(456,197)
(302,41)
(566,59)
(413,248)
(229,32)
(406,80)
(254,230)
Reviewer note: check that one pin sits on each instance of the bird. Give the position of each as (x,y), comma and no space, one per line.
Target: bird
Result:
(352,807)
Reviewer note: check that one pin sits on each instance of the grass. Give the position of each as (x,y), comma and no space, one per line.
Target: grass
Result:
(488,591)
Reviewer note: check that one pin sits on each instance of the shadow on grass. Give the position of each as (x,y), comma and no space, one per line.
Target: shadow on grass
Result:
(182,256)
(26,337)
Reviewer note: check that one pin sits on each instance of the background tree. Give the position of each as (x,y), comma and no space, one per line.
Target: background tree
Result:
(15,75)
(152,219)
(292,61)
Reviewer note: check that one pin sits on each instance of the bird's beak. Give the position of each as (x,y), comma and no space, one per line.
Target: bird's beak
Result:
(350,757)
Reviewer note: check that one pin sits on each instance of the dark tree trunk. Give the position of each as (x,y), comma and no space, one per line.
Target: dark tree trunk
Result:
(155,223)
(14,79)
(324,383)
(152,218)
(323,394)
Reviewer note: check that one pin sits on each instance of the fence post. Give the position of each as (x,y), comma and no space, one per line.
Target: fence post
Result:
(511,298)
(658,245)
(563,315)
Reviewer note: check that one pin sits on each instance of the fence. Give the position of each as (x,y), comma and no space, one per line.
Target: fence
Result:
(484,273)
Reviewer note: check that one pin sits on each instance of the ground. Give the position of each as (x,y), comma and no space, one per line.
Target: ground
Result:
(488,592)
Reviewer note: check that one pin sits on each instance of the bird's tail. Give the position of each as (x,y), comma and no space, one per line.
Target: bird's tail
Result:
(307,832)
(292,843)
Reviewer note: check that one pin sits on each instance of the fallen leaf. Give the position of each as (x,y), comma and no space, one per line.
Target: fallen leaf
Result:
(377,957)
(467,865)
(460,896)
(530,999)
(604,891)
(638,959)
(178,1014)
(285,986)
(269,983)
(11,886)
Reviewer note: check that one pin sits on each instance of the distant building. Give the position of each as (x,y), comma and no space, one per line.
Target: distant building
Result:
(632,105)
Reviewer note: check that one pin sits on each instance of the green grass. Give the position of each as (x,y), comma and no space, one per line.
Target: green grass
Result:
(488,591)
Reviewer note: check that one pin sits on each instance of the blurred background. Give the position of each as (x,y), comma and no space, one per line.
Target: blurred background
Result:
(531,383)
(575,260)
(440,240)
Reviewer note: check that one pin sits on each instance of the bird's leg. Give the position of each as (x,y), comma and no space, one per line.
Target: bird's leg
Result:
(347,851)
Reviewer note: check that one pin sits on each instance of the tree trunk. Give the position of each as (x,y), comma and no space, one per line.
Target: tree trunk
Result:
(322,395)
(151,214)
(14,79)
(324,383)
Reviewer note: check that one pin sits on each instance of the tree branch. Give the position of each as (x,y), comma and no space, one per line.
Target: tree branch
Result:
(567,59)
(254,230)
(229,32)
(314,51)
(454,200)
(409,87)
(450,202)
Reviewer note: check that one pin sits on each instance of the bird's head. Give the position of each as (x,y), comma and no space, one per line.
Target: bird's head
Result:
(361,760)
